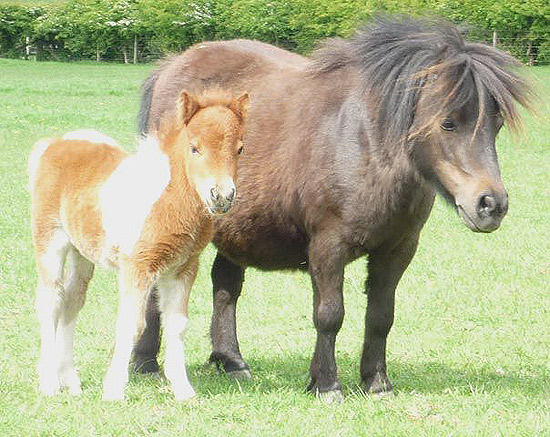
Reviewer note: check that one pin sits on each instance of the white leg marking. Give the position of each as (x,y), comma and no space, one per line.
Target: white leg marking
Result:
(49,296)
(78,274)
(90,135)
(126,327)
(171,296)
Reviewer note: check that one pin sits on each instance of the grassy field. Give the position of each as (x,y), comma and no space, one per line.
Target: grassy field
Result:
(469,354)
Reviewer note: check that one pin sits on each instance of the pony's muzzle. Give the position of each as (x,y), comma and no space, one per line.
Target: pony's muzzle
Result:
(490,208)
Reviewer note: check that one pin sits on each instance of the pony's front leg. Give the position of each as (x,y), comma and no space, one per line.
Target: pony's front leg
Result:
(173,294)
(327,273)
(385,268)
(132,291)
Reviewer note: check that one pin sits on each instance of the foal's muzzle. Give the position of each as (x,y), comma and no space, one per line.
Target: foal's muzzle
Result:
(221,199)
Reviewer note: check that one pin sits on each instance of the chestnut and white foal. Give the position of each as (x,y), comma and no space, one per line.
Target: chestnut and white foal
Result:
(148,214)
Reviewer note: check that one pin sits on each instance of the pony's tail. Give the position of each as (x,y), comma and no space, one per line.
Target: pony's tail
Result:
(34,160)
(144,113)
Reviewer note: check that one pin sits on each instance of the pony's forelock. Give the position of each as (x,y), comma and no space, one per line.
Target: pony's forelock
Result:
(400,58)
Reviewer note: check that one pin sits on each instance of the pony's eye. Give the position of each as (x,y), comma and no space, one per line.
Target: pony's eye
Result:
(448,125)
(499,121)
(240,150)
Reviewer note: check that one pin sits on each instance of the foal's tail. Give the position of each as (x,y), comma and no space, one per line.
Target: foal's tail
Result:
(34,160)
(147,89)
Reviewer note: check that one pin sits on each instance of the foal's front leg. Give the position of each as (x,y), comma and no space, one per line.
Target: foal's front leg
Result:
(173,297)
(131,290)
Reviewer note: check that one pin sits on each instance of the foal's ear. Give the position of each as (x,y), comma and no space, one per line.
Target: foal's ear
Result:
(187,106)
(240,106)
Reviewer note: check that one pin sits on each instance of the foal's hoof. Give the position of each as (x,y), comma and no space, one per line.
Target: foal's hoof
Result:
(69,380)
(183,393)
(49,389)
(110,395)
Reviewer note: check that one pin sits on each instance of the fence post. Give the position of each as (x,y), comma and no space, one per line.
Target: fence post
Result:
(494,38)
(135,49)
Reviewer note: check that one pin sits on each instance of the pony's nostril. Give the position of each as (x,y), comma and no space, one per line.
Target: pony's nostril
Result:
(487,205)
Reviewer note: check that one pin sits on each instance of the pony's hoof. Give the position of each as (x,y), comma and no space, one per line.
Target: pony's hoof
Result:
(149,366)
(331,397)
(382,394)
(377,386)
(234,368)
(240,374)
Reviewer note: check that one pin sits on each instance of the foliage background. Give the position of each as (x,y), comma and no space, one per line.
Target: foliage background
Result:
(141,30)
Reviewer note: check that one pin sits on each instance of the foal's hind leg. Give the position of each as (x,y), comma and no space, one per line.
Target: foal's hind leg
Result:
(78,273)
(173,295)
(50,259)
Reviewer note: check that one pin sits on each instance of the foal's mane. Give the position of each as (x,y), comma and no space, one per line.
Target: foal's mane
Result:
(170,127)
(400,56)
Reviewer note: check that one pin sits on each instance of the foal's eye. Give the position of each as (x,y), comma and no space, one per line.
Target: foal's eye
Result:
(194,146)
(448,125)
(240,150)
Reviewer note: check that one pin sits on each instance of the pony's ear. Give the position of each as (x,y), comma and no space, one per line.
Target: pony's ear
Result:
(240,106)
(187,106)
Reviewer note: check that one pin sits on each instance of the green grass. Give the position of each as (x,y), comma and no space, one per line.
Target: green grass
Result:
(468,354)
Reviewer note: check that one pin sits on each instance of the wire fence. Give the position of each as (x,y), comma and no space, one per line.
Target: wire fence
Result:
(145,50)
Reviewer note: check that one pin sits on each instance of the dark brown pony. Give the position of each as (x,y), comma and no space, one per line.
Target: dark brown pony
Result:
(342,158)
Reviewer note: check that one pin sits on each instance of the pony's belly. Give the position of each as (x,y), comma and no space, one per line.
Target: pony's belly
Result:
(263,248)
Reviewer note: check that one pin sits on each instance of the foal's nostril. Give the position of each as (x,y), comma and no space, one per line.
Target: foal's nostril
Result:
(231,195)
(215,194)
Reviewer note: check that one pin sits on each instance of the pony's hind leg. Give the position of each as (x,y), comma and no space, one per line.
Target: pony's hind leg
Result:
(50,260)
(78,273)
(173,296)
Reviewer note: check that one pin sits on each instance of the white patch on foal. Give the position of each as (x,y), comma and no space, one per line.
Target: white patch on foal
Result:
(128,195)
(90,135)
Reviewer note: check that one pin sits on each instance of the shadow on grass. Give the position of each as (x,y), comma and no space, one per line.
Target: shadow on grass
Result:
(427,377)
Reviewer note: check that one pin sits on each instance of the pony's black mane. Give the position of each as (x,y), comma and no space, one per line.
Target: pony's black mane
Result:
(399,56)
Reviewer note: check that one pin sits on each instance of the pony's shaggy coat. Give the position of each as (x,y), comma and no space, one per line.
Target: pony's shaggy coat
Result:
(92,205)
(345,151)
